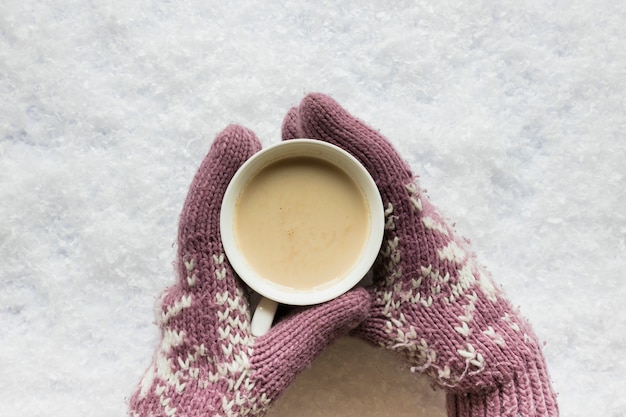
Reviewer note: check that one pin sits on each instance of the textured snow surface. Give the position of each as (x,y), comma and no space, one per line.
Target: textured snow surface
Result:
(512,113)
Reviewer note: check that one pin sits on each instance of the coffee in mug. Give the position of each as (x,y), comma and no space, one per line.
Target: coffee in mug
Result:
(301,223)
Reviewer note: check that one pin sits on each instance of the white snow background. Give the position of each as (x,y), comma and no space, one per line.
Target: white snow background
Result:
(512,113)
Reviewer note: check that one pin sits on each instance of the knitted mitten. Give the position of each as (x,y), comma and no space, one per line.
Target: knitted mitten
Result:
(431,299)
(208,363)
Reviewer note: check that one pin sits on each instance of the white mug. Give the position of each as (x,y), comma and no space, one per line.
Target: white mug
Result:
(273,293)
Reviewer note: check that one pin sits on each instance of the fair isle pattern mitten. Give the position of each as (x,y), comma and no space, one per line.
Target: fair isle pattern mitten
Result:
(431,299)
(208,363)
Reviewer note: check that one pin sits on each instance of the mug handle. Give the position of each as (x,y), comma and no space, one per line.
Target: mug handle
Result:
(263,316)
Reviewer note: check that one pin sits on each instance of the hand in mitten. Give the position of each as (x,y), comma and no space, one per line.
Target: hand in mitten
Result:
(431,299)
(208,363)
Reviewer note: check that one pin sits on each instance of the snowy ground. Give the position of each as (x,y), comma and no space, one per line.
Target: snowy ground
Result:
(513,113)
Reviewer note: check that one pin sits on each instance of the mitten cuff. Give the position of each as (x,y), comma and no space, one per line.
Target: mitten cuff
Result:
(528,394)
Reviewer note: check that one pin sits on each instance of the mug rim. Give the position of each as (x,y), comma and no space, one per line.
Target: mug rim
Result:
(339,158)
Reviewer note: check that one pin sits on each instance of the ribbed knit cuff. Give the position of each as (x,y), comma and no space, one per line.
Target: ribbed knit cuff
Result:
(528,394)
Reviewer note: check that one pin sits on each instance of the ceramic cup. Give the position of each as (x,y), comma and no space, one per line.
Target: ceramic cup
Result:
(272,292)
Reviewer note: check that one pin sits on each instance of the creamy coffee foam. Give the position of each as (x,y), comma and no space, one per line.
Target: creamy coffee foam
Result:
(301,222)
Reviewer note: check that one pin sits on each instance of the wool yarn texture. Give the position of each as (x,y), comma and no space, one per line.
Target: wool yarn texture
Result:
(208,363)
(431,299)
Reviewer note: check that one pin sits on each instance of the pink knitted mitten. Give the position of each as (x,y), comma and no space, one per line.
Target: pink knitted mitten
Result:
(208,363)
(431,300)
